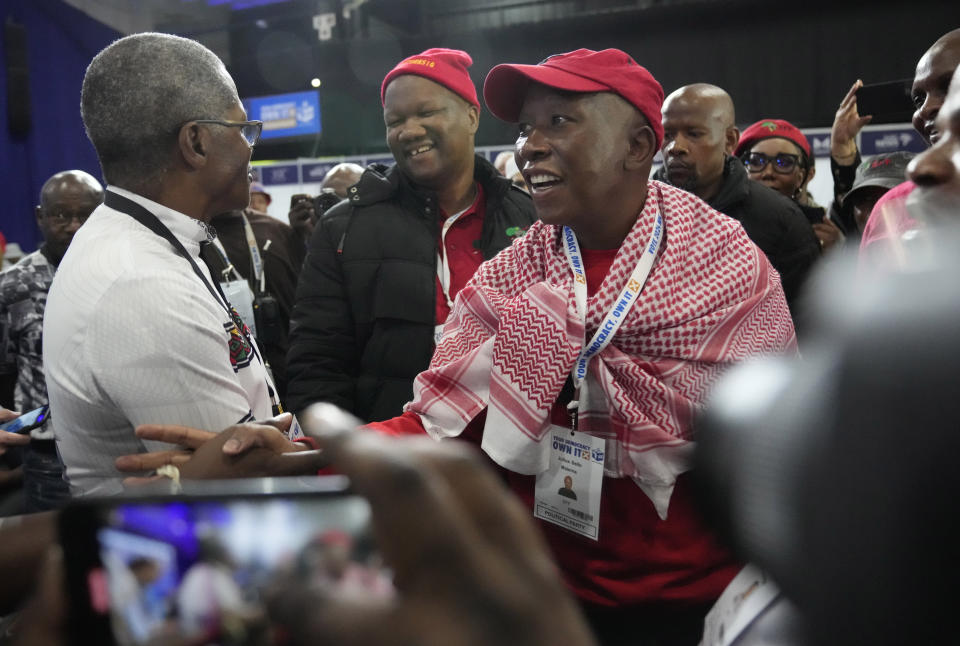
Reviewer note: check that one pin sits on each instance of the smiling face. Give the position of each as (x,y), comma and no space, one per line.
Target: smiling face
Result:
(930,83)
(936,172)
(574,152)
(430,131)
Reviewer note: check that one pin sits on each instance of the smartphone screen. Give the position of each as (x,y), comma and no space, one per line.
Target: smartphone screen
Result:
(27,421)
(887,102)
(200,568)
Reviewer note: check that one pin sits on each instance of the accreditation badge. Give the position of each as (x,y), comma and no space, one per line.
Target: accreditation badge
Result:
(239,295)
(296,432)
(568,493)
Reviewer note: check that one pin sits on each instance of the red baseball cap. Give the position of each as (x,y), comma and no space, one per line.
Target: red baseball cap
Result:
(583,70)
(448,67)
(768,129)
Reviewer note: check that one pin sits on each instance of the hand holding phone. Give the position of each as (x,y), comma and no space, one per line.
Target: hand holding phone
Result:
(887,102)
(26,422)
(302,214)
(847,122)
(8,438)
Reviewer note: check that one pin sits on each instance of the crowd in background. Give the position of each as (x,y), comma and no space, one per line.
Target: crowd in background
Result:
(567,311)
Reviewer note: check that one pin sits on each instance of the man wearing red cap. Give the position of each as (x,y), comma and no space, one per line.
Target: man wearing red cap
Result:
(385,265)
(586,349)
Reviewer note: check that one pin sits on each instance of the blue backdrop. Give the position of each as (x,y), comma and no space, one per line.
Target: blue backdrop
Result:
(61,41)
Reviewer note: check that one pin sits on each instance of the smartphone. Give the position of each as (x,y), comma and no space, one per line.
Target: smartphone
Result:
(200,564)
(28,421)
(887,102)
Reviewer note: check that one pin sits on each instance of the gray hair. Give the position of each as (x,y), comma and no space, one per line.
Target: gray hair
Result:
(137,93)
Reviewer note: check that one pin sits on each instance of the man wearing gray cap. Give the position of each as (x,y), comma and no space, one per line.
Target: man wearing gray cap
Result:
(875,176)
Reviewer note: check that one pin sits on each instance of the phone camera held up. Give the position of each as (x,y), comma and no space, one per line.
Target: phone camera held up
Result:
(321,203)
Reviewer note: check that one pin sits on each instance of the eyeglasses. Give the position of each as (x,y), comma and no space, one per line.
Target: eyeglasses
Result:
(783,163)
(64,218)
(249,129)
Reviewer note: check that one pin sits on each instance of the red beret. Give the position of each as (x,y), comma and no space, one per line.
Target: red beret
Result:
(583,70)
(769,128)
(448,67)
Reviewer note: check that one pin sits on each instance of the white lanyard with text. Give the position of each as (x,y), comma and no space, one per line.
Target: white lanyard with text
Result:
(256,260)
(443,265)
(615,317)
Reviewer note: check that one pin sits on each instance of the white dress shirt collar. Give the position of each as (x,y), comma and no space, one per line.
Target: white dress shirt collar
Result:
(190,231)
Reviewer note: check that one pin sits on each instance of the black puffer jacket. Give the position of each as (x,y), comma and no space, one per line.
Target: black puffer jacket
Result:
(773,222)
(363,322)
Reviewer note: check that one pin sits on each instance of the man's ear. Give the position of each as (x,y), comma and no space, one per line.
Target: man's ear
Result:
(473,115)
(643,147)
(39,213)
(193,143)
(732,138)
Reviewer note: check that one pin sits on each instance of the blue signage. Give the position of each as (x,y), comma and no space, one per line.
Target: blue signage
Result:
(280,174)
(316,172)
(286,115)
(887,141)
(819,143)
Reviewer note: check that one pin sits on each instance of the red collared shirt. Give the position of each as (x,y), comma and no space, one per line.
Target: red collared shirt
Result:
(459,252)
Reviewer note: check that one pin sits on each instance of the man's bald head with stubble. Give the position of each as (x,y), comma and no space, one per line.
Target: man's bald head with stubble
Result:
(699,132)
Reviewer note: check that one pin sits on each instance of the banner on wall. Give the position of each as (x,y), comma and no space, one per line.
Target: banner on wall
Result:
(819,139)
(315,172)
(312,171)
(286,115)
(891,140)
(280,174)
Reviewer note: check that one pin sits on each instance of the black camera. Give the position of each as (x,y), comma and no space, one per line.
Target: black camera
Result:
(323,202)
(266,313)
(836,474)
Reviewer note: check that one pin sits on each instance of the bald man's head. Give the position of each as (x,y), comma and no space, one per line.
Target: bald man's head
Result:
(66,201)
(699,133)
(712,99)
(931,80)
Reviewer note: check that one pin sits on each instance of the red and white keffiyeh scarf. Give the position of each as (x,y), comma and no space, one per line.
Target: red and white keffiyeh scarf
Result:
(514,334)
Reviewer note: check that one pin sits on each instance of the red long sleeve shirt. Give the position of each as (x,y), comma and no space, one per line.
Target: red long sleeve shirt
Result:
(639,558)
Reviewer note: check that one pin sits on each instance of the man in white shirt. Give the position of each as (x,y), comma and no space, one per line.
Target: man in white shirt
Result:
(136,331)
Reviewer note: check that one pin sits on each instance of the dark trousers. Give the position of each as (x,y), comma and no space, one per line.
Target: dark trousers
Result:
(43,483)
(647,626)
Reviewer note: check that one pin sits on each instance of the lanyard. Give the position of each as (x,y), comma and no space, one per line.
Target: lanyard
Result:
(443,265)
(152,222)
(628,295)
(229,267)
(256,260)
